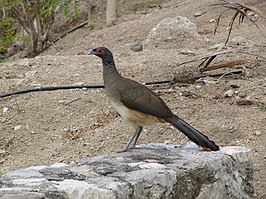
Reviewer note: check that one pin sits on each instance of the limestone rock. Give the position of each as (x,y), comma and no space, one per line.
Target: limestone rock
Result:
(176,32)
(150,171)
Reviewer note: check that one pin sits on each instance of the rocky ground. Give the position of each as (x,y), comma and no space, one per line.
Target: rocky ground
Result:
(68,125)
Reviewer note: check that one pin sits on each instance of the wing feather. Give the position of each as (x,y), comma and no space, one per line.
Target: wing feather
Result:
(138,97)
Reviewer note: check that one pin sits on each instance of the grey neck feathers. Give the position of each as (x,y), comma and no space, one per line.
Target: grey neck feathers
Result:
(110,73)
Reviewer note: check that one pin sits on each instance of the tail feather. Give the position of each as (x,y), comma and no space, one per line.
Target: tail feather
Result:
(193,134)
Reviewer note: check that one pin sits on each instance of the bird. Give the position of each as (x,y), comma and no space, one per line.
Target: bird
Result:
(139,106)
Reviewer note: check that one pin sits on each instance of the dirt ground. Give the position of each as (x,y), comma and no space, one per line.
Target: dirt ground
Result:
(66,125)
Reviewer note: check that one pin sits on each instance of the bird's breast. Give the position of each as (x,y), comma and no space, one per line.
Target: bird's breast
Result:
(134,117)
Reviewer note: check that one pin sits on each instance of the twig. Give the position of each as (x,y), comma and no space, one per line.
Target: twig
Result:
(62,36)
(209,60)
(238,72)
(204,56)
(224,65)
(67,103)
(220,75)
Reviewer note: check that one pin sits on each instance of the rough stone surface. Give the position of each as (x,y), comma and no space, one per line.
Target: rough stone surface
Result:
(136,47)
(177,32)
(150,171)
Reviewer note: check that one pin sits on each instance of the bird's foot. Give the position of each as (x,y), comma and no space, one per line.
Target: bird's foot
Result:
(124,149)
(121,150)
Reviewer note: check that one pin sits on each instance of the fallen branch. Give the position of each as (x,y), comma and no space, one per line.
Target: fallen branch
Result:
(205,56)
(224,65)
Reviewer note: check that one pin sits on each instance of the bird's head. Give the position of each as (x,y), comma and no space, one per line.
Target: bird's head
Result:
(101,52)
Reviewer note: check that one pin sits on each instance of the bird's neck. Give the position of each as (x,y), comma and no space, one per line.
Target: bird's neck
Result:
(110,73)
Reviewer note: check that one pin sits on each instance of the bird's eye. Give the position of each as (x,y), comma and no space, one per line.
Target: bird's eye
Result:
(100,51)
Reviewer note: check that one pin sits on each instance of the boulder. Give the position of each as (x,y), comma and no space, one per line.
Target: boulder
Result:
(178,32)
(150,171)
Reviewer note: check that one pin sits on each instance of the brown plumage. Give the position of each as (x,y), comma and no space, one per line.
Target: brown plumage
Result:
(140,106)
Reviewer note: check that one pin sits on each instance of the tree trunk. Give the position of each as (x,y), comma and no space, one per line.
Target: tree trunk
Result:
(110,12)
(89,12)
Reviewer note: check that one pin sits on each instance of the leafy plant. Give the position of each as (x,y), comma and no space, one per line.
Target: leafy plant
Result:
(36,18)
(71,9)
(1,59)
(7,33)
(262,106)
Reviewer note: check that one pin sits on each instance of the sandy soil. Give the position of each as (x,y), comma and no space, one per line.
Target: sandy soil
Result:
(67,125)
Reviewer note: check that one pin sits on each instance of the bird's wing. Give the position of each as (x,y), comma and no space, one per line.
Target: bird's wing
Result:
(138,97)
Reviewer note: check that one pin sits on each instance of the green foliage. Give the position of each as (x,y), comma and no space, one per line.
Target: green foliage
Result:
(7,33)
(36,18)
(262,106)
(138,5)
(47,8)
(71,9)
(1,59)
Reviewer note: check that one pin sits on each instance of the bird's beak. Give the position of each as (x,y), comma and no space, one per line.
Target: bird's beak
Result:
(87,53)
(92,53)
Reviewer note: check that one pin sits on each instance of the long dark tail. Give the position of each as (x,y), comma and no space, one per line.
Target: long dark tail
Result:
(193,134)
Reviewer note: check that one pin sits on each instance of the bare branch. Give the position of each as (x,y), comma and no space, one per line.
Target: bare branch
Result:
(241,10)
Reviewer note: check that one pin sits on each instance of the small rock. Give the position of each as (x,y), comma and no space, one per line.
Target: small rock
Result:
(19,82)
(167,141)
(197,14)
(17,127)
(137,47)
(5,109)
(244,102)
(249,73)
(61,101)
(242,95)
(264,91)
(2,152)
(220,46)
(198,86)
(2,160)
(79,83)
(248,98)
(212,20)
(243,42)
(258,133)
(229,93)
(234,86)
(30,73)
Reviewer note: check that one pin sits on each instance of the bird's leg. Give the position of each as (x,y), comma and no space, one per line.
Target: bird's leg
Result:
(137,136)
(133,140)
